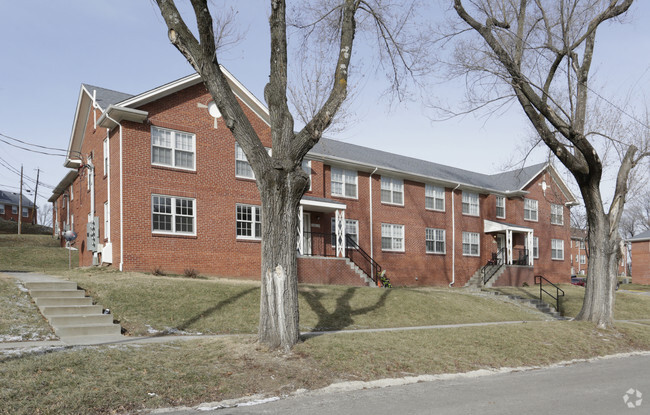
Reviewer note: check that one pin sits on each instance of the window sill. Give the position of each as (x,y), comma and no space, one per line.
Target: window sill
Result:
(472,256)
(434,210)
(390,251)
(345,197)
(174,169)
(255,240)
(392,204)
(436,253)
(173,235)
(469,214)
(531,220)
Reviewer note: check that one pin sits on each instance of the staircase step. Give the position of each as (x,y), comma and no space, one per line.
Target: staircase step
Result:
(74,320)
(51,285)
(88,330)
(57,293)
(94,339)
(62,301)
(79,310)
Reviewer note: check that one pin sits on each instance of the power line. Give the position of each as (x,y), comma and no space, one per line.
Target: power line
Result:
(30,144)
(31,150)
(14,170)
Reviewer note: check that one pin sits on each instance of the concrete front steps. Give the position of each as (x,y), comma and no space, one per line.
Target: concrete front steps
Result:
(476,280)
(72,315)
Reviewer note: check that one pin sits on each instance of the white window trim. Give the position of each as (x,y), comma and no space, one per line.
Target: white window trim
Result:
(173,149)
(393,237)
(536,210)
(560,215)
(433,190)
(245,160)
(306,166)
(434,240)
(254,210)
(173,215)
(535,247)
(556,249)
(392,184)
(2,209)
(583,259)
(503,198)
(344,175)
(14,210)
(471,197)
(25,212)
(478,244)
(348,222)
(105,148)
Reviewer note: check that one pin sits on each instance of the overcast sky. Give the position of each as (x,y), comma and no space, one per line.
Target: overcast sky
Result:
(49,48)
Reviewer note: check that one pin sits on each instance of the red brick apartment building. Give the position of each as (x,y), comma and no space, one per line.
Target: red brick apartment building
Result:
(169,188)
(9,206)
(641,258)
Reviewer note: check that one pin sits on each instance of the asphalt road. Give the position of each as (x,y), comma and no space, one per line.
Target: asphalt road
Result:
(596,387)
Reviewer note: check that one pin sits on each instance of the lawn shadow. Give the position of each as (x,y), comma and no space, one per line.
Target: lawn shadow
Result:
(221,304)
(343,314)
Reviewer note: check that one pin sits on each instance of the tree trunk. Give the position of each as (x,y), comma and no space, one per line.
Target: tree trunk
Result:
(598,304)
(279,320)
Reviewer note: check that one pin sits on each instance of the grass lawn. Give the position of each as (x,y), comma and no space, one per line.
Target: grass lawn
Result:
(115,379)
(144,303)
(37,253)
(19,317)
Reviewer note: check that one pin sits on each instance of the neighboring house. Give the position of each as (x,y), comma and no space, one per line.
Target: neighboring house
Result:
(9,207)
(170,189)
(579,257)
(641,258)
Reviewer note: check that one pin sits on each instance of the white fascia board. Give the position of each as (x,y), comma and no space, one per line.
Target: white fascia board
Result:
(237,87)
(322,206)
(571,199)
(115,114)
(84,103)
(368,168)
(491,226)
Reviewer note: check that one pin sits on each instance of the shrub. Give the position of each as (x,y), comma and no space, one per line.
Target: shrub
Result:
(190,273)
(158,271)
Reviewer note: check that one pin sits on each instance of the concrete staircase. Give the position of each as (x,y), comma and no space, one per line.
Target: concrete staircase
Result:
(360,272)
(535,303)
(476,280)
(72,315)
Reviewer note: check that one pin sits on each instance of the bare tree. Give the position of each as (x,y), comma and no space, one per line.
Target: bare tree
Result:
(45,215)
(541,51)
(280,178)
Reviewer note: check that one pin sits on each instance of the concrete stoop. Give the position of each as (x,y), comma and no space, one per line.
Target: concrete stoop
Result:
(72,315)
(360,272)
(534,303)
(476,280)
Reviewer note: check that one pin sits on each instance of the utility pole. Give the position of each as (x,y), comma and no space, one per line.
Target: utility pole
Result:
(35,217)
(20,200)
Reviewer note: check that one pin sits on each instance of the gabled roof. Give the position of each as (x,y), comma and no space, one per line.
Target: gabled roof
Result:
(508,183)
(643,236)
(63,185)
(105,97)
(11,198)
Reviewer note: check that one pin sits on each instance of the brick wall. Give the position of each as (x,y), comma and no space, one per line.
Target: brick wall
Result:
(641,262)
(320,270)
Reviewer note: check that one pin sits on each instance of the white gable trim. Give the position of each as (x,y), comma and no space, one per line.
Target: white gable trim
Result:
(162,91)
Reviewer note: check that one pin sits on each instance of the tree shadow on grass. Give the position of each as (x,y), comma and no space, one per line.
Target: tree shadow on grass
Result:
(209,311)
(342,316)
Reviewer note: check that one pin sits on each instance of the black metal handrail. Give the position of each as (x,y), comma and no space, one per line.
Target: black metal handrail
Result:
(558,290)
(493,265)
(324,244)
(522,256)
(365,262)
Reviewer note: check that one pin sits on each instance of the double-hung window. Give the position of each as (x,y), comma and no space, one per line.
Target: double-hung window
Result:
(2,209)
(434,197)
(392,237)
(535,247)
(14,210)
(173,215)
(25,212)
(501,207)
(470,203)
(105,148)
(243,168)
(557,249)
(351,230)
(249,222)
(392,190)
(557,214)
(172,148)
(435,241)
(583,259)
(344,182)
(530,210)
(471,244)
(306,166)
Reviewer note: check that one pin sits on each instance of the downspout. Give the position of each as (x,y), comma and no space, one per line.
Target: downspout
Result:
(108,184)
(453,236)
(372,257)
(121,196)
(91,177)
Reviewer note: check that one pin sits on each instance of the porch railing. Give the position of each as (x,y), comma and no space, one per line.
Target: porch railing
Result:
(493,265)
(324,244)
(520,256)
